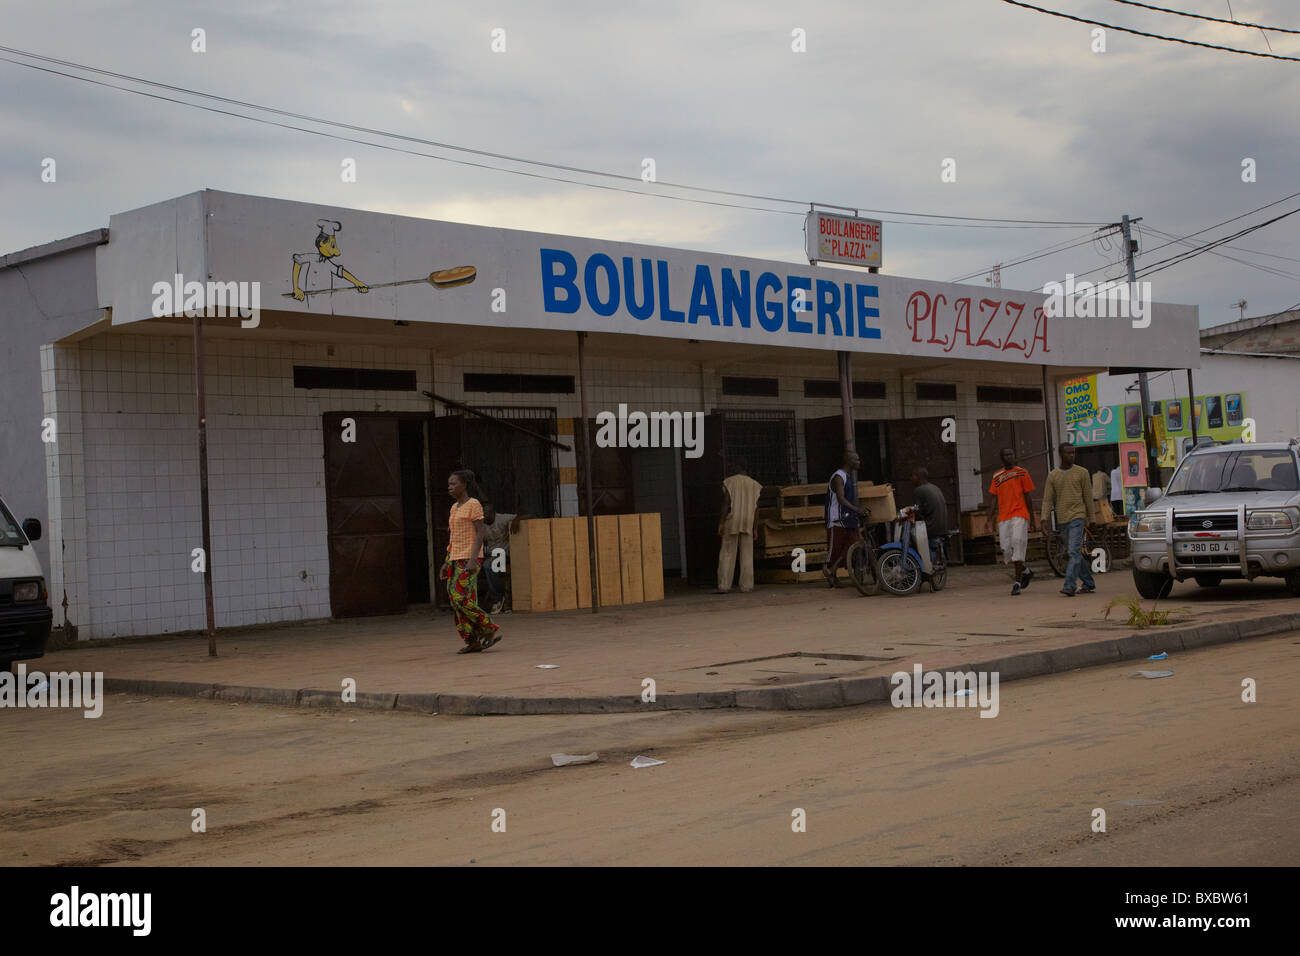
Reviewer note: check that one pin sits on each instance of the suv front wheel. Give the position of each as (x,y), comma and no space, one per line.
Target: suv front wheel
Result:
(1153,584)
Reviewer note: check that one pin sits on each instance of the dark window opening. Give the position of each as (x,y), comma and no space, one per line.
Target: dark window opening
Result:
(509,382)
(1009,394)
(936,392)
(354,379)
(760,387)
(830,388)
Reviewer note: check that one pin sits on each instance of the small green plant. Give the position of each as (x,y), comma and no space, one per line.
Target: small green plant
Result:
(1140,618)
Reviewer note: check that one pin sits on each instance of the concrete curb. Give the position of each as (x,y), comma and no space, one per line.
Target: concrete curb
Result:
(813,695)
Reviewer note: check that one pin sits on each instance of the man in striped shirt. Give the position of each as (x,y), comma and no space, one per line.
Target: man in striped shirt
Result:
(1068,492)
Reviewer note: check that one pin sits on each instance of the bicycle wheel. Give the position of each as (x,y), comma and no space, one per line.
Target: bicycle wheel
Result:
(939,576)
(1055,546)
(862,569)
(899,573)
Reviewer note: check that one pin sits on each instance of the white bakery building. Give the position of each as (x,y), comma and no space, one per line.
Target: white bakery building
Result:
(443,345)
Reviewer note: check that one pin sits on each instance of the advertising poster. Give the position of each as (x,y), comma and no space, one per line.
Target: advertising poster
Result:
(1132,465)
(1081,399)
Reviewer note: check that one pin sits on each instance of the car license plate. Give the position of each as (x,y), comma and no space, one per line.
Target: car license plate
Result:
(1226,548)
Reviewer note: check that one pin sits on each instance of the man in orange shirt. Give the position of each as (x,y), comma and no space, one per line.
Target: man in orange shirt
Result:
(1012,515)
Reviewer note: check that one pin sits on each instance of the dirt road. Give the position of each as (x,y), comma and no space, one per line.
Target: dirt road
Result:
(1186,772)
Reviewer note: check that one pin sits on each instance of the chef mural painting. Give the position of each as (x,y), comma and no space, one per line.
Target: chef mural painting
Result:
(314,273)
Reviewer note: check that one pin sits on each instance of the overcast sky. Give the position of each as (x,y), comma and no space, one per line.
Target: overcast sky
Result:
(1040,126)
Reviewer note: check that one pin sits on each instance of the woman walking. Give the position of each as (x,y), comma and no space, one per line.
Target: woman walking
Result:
(464,556)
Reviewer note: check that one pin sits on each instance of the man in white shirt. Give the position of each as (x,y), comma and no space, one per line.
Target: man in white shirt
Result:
(1116,491)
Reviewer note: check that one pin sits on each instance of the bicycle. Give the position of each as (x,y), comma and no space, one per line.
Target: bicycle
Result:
(1058,556)
(861,559)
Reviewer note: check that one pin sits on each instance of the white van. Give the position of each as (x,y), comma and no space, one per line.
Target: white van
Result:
(25,614)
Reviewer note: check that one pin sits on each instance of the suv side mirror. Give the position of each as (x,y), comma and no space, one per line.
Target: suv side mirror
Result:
(32,528)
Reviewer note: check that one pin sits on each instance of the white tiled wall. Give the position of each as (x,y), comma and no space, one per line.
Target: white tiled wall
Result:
(124,487)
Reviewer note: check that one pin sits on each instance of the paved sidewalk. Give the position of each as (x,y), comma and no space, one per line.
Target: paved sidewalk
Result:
(701,649)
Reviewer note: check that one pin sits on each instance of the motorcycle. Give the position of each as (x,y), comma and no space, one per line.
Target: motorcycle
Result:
(900,568)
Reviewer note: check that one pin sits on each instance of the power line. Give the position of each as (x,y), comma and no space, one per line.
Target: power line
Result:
(1271,270)
(1153,36)
(1051,250)
(978,221)
(1182,257)
(1201,16)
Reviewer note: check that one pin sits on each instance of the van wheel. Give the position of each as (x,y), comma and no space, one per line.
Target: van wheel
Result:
(1293,582)
(1151,584)
(1209,580)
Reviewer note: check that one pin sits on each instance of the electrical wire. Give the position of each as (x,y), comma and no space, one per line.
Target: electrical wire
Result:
(1201,16)
(1153,36)
(978,221)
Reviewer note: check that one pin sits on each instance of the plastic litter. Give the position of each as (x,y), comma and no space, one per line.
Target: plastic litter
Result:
(563,760)
(1163,655)
(1152,675)
(640,761)
(547,667)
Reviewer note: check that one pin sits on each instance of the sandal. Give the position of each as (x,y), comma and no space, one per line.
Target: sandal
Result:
(471,647)
(492,641)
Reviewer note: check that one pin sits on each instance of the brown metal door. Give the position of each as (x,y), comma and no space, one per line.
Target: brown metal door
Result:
(918,442)
(702,502)
(823,444)
(363,504)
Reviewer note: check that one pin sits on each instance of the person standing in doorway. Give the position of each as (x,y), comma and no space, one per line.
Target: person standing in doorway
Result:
(843,516)
(1116,490)
(736,526)
(497,529)
(464,558)
(1012,515)
(1068,492)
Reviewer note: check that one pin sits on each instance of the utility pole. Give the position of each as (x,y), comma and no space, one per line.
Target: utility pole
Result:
(1144,390)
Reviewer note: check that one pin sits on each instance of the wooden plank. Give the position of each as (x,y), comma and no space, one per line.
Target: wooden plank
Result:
(541,588)
(607,561)
(564,566)
(521,595)
(652,558)
(629,553)
(581,560)
(803,512)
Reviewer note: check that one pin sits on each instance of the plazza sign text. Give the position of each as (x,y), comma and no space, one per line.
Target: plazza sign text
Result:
(313,260)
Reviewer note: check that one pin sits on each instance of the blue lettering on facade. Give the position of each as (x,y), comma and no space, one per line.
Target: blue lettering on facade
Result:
(634,288)
(703,301)
(666,311)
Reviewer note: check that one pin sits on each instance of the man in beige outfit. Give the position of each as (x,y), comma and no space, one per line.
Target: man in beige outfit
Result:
(739,514)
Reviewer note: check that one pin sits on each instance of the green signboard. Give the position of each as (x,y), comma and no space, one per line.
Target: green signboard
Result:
(1220,417)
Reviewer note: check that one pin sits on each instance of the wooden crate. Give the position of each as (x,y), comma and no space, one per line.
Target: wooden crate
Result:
(801,503)
(772,533)
(880,499)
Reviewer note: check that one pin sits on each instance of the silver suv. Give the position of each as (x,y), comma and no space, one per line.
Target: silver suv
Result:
(1230,511)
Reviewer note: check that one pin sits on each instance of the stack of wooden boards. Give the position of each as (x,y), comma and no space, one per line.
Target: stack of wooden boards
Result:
(550,565)
(798,520)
